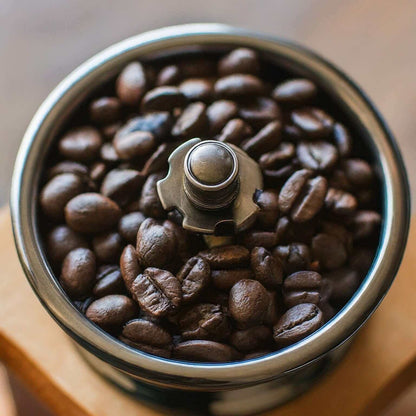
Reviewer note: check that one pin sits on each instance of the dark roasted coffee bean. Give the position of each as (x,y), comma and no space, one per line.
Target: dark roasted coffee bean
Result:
(158,123)
(235,131)
(295,257)
(61,240)
(302,287)
(107,247)
(108,154)
(259,111)
(329,250)
(361,259)
(164,98)
(159,159)
(121,185)
(287,231)
(358,172)
(219,113)
(204,321)
(164,352)
(168,75)
(314,122)
(78,273)
(112,311)
(215,296)
(146,332)
(129,226)
(204,351)
(226,257)
(297,323)
(339,231)
(134,144)
(192,121)
(283,154)
(248,302)
(344,283)
(197,89)
(340,202)
(92,213)
(97,171)
(272,312)
(157,291)
(318,156)
(239,61)
(131,83)
(251,339)
(149,200)
(68,166)
(178,234)
(268,201)
(105,110)
(129,266)
(58,192)
(82,305)
(110,282)
(365,223)
(194,276)
(274,177)
(267,269)
(81,144)
(265,140)
(342,140)
(239,85)
(226,279)
(109,131)
(293,133)
(256,238)
(295,92)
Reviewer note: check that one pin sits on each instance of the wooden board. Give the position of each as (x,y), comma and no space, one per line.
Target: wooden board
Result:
(379,365)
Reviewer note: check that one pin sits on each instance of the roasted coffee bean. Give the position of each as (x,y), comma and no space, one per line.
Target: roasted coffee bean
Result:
(112,311)
(318,156)
(344,283)
(197,89)
(259,111)
(107,247)
(157,291)
(109,282)
(268,201)
(275,177)
(81,144)
(149,200)
(361,259)
(146,332)
(239,85)
(121,185)
(159,159)
(179,235)
(303,197)
(329,250)
(134,144)
(82,305)
(164,352)
(273,310)
(248,302)
(164,98)
(251,339)
(78,273)
(239,61)
(194,276)
(158,123)
(204,321)
(215,296)
(92,213)
(293,133)
(105,110)
(58,192)
(129,266)
(168,75)
(97,171)
(129,226)
(109,131)
(131,83)
(192,121)
(295,257)
(340,202)
(67,166)
(342,140)
(288,231)
(61,240)
(302,287)
(365,223)
(295,92)
(218,240)
(235,131)
(314,122)
(256,238)
(297,323)
(358,172)
(265,140)
(226,279)
(267,269)
(283,154)
(196,67)
(108,154)
(226,257)
(204,351)
(219,113)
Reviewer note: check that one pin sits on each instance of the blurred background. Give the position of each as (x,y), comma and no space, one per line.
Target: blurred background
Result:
(41,41)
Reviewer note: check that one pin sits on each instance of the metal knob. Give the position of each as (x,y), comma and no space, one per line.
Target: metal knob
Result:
(212,185)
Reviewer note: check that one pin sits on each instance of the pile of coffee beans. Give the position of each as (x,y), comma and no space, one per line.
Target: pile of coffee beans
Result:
(132,269)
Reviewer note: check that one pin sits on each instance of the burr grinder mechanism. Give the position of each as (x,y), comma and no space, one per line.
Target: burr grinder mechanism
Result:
(212,185)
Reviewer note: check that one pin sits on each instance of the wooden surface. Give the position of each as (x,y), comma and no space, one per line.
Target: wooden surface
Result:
(381,362)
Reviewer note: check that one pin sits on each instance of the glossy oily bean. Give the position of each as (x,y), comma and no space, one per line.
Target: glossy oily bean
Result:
(268,201)
(295,92)
(265,140)
(302,287)
(226,279)
(129,266)
(235,131)
(219,113)
(105,110)
(239,61)
(149,202)
(164,98)
(204,351)
(251,339)
(168,75)
(197,89)
(146,332)
(135,144)
(129,225)
(107,247)
(314,122)
(259,111)
(267,269)
(226,257)
(109,282)
(192,121)
(131,83)
(318,156)
(81,144)
(239,85)
(194,276)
